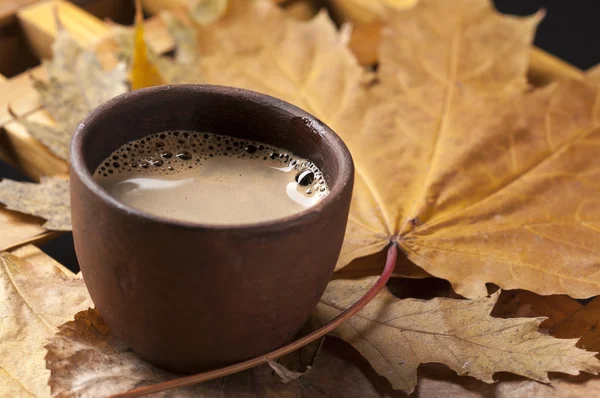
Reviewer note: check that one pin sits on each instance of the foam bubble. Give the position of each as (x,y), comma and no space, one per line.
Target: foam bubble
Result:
(170,152)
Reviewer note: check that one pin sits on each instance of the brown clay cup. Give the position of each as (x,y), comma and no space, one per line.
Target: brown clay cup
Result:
(190,297)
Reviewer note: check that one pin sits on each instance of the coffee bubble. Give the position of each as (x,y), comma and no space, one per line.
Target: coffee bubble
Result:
(171,152)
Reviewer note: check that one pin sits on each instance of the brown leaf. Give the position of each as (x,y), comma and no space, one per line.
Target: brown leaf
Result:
(419,121)
(48,199)
(470,175)
(34,299)
(535,227)
(585,323)
(521,303)
(476,179)
(86,344)
(76,84)
(398,335)
(494,185)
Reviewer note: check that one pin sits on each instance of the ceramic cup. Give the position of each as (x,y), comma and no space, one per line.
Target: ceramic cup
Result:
(187,296)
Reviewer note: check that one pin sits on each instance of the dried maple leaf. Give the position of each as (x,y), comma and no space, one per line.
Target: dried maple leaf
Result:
(76,84)
(86,360)
(34,300)
(49,200)
(396,336)
(474,178)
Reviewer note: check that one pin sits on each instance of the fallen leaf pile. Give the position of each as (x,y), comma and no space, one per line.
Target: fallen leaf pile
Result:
(477,177)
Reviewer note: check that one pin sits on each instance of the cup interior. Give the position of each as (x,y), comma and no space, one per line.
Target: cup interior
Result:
(205,108)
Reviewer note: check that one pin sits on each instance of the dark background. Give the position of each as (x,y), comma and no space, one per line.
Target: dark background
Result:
(570,30)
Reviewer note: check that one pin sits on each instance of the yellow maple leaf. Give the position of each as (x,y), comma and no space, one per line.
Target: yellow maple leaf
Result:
(496,184)
(451,151)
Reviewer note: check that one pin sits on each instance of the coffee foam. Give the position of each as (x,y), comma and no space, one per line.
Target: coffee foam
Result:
(172,152)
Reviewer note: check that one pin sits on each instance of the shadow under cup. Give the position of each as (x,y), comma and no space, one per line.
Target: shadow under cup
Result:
(187,296)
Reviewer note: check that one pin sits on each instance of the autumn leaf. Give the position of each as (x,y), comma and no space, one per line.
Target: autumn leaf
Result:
(34,299)
(486,186)
(556,309)
(48,199)
(475,178)
(452,155)
(396,336)
(87,343)
(76,84)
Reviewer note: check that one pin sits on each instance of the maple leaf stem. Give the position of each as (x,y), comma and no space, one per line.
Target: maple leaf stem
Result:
(392,253)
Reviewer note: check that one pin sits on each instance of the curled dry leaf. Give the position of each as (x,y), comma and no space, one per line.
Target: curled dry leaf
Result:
(396,336)
(49,200)
(284,373)
(34,299)
(76,84)
(85,359)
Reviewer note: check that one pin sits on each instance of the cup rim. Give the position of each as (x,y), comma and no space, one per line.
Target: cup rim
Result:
(345,162)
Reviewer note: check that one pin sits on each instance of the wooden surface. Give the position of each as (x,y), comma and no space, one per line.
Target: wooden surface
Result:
(8,9)
(39,23)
